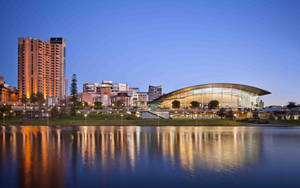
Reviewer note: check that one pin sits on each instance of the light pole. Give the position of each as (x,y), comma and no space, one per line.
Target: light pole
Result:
(122,119)
(85,117)
(3,118)
(47,118)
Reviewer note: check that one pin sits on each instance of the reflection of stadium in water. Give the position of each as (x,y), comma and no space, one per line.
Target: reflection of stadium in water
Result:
(42,154)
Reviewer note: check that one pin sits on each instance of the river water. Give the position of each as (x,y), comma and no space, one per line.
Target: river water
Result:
(133,156)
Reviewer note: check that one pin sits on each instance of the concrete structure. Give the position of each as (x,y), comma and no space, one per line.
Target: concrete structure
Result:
(280,113)
(101,88)
(142,100)
(154,115)
(120,88)
(121,100)
(87,97)
(41,67)
(228,96)
(133,93)
(8,94)
(154,92)
(51,101)
(91,87)
(104,99)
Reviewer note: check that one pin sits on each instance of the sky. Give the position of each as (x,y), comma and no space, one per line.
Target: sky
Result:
(171,43)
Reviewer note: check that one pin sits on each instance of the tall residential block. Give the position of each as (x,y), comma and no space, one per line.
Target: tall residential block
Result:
(41,67)
(154,92)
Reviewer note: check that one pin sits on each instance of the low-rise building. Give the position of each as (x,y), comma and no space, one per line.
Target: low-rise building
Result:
(133,93)
(87,97)
(51,101)
(8,94)
(104,99)
(142,99)
(121,100)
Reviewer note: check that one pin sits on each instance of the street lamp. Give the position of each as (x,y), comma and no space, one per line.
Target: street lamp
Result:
(122,119)
(3,118)
(85,117)
(47,118)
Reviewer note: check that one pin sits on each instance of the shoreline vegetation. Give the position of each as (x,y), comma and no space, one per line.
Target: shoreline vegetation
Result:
(129,121)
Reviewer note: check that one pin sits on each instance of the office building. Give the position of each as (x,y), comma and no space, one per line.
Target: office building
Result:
(142,99)
(154,92)
(133,93)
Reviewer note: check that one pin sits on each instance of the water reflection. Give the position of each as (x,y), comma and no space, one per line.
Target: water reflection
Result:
(43,155)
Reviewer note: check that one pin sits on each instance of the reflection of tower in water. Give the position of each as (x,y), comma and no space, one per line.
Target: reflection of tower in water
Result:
(37,152)
(42,153)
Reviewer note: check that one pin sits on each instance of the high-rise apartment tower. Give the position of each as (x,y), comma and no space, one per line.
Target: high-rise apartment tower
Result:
(41,67)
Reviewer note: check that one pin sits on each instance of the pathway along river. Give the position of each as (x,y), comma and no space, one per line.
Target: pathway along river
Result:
(133,156)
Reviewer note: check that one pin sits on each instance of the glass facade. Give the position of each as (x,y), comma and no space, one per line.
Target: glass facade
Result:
(228,97)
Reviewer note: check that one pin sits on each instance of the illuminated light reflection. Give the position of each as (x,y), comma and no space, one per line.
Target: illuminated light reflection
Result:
(46,150)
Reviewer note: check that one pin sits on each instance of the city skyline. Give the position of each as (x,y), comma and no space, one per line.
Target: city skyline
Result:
(184,44)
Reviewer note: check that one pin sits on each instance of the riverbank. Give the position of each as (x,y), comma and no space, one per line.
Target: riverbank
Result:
(144,122)
(147,122)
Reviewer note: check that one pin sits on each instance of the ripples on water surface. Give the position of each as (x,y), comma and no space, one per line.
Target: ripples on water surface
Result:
(149,156)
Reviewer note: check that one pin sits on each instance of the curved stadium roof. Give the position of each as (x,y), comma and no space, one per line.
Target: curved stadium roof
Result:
(251,89)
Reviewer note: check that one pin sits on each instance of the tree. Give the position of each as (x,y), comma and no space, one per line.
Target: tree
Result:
(5,111)
(195,104)
(213,104)
(291,105)
(40,100)
(74,95)
(24,100)
(119,104)
(33,100)
(229,114)
(54,112)
(98,105)
(176,104)
(221,113)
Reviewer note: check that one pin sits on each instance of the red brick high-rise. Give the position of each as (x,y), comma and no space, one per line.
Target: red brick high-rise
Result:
(41,67)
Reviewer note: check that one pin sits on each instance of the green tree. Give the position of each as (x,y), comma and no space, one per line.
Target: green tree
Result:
(24,101)
(195,104)
(176,104)
(221,113)
(229,114)
(40,100)
(73,95)
(213,104)
(5,111)
(54,112)
(98,105)
(118,104)
(291,105)
(33,100)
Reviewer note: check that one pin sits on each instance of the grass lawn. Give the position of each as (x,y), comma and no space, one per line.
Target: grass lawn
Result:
(288,122)
(139,122)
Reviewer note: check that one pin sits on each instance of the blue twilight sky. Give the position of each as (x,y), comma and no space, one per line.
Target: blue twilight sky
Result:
(165,42)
